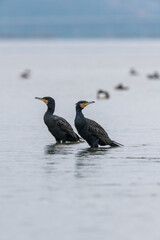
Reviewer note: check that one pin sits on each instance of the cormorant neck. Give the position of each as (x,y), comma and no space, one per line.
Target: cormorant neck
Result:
(79,119)
(51,108)
(79,112)
(78,109)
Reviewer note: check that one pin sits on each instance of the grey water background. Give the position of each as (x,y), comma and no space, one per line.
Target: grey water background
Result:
(69,191)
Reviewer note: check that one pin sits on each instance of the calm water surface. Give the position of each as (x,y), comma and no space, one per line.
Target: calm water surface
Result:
(69,191)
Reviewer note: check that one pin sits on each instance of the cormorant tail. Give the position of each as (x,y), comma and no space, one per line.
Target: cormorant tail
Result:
(115,144)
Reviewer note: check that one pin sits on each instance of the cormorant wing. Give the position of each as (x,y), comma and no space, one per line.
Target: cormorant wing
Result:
(98,131)
(64,126)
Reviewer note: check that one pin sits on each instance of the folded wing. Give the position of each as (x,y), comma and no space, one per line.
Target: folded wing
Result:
(66,127)
(97,131)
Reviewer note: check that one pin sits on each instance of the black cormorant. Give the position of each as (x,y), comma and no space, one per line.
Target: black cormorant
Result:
(91,131)
(58,126)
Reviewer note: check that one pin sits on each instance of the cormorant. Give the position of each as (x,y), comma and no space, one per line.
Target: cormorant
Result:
(101,94)
(58,126)
(91,131)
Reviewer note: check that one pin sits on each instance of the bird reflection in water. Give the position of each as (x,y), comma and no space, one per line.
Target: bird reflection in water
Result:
(88,158)
(59,148)
(88,152)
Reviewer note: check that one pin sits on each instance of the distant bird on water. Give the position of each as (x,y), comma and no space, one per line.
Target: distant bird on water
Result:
(57,126)
(101,94)
(121,87)
(133,72)
(155,75)
(26,74)
(91,131)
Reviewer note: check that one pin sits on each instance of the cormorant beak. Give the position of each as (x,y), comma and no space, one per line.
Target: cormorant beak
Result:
(42,99)
(83,105)
(89,103)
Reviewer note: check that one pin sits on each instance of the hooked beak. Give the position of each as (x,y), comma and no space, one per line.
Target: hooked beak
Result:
(39,98)
(42,99)
(90,102)
(83,105)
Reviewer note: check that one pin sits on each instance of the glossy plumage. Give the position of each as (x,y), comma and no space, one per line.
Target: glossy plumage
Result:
(58,126)
(91,131)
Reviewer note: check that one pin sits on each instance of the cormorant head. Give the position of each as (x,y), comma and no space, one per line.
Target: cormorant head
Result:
(82,104)
(47,100)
